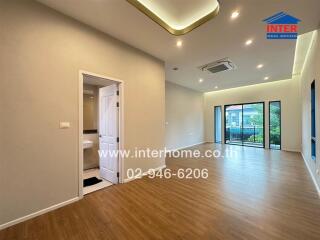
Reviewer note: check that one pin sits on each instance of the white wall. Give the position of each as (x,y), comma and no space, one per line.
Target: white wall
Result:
(287,91)
(184,117)
(42,52)
(311,72)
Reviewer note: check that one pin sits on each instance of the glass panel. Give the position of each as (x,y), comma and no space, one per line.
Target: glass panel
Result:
(253,133)
(218,125)
(233,128)
(313,149)
(313,120)
(275,125)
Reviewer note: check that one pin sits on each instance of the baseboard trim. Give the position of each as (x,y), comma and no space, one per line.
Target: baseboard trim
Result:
(311,174)
(291,150)
(184,147)
(143,174)
(38,213)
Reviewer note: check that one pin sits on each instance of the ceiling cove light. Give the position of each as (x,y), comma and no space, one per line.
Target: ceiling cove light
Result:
(260,66)
(200,80)
(234,15)
(249,42)
(177,17)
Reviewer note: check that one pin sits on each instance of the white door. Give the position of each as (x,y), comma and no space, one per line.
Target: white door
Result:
(108,133)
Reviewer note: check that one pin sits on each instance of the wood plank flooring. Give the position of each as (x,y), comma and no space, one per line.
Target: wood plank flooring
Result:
(257,194)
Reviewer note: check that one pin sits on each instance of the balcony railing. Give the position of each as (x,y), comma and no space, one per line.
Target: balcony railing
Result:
(246,134)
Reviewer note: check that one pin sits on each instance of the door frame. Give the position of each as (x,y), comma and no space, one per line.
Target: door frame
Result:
(225,120)
(80,132)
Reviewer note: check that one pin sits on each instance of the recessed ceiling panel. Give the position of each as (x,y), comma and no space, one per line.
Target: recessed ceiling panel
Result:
(178,16)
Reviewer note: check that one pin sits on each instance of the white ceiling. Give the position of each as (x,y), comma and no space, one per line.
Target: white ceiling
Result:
(216,39)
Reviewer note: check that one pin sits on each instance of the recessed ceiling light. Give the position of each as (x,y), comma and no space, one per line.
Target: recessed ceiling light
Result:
(200,80)
(216,87)
(179,43)
(266,78)
(259,66)
(235,14)
(248,42)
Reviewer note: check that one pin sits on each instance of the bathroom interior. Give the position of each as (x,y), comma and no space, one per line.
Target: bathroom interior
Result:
(92,177)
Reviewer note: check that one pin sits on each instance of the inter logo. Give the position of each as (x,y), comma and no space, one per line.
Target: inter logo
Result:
(282,26)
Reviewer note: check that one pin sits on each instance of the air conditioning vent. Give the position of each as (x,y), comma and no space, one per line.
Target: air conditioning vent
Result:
(221,65)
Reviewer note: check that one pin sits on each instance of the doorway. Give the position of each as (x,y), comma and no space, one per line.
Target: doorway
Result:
(244,124)
(100,132)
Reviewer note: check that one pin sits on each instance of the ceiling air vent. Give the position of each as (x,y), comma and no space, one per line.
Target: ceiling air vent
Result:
(221,65)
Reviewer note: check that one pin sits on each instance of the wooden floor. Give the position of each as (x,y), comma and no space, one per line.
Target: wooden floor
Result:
(258,194)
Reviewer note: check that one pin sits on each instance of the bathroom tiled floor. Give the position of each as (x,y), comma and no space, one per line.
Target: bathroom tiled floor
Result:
(94,173)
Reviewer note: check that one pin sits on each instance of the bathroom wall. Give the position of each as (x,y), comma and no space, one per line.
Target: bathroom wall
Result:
(90,107)
(42,52)
(90,122)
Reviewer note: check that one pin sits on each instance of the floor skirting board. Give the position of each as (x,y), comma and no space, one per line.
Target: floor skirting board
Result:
(184,147)
(62,204)
(311,174)
(38,213)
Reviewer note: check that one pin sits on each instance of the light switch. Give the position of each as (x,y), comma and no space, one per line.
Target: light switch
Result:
(64,125)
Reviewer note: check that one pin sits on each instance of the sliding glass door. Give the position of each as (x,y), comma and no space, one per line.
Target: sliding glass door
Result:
(233,124)
(253,124)
(244,124)
(275,125)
